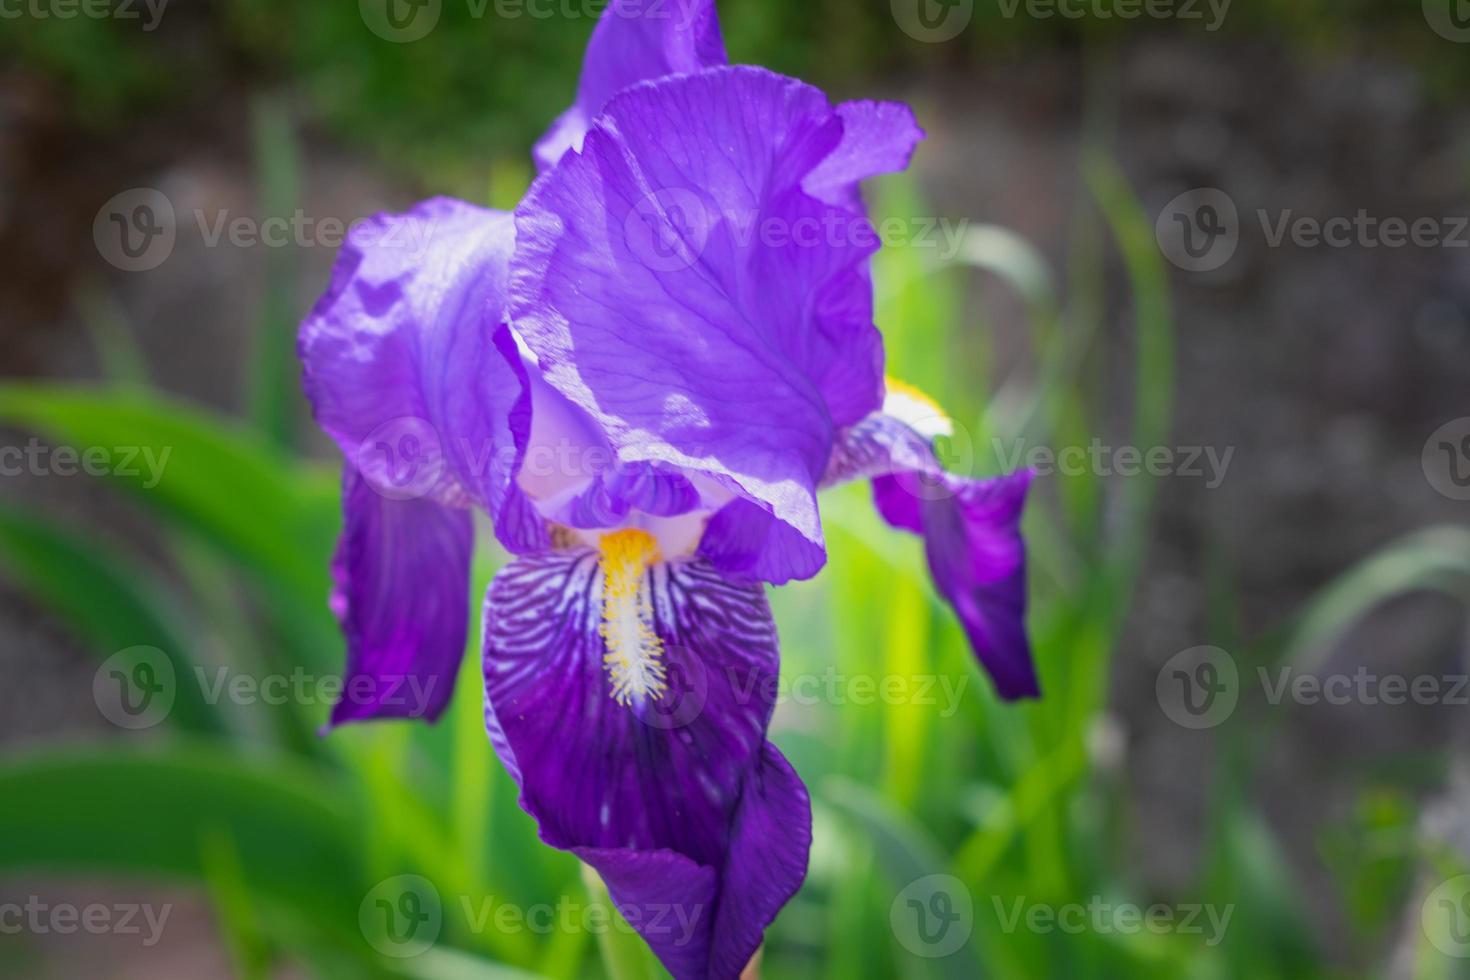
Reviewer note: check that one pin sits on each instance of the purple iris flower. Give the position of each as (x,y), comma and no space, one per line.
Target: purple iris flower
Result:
(643,376)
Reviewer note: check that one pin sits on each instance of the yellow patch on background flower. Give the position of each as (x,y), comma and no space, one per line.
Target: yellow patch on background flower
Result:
(916,409)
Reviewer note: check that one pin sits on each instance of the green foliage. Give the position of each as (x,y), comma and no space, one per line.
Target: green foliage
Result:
(288,838)
(493,73)
(287,833)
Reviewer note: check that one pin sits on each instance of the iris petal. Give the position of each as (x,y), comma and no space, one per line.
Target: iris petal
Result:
(409,368)
(676,282)
(673,798)
(402,595)
(972,538)
(877,138)
(634,41)
(747,544)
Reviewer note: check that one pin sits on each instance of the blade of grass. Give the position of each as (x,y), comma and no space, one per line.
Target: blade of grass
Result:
(204,473)
(233,909)
(107,326)
(1153,370)
(1434,558)
(147,813)
(111,602)
(274,389)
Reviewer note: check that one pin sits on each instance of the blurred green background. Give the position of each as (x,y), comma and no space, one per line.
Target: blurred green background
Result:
(1284,839)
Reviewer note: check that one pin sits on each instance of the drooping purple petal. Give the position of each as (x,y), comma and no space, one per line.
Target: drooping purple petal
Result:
(698,925)
(972,538)
(410,368)
(978,560)
(748,544)
(770,841)
(677,283)
(401,593)
(674,798)
(634,41)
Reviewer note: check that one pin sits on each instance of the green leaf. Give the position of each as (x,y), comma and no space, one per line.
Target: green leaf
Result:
(1153,395)
(904,852)
(112,604)
(275,393)
(451,964)
(112,337)
(161,814)
(202,472)
(233,908)
(1433,559)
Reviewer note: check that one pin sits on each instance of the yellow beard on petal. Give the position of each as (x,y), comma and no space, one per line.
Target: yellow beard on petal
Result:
(634,657)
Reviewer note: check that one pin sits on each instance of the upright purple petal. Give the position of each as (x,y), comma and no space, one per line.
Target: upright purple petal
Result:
(677,282)
(410,369)
(402,596)
(676,798)
(877,138)
(972,538)
(634,41)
